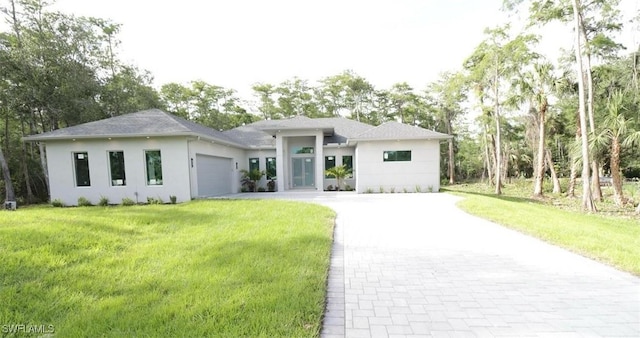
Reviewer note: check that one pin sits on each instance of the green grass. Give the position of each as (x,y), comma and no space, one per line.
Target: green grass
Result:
(205,268)
(614,240)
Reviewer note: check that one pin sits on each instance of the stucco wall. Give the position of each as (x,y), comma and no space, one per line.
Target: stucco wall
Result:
(422,171)
(214,149)
(338,153)
(174,169)
(262,156)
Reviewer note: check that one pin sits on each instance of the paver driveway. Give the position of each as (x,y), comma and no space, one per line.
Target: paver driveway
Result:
(415,265)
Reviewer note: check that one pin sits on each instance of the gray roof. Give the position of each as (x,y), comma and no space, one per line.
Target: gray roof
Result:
(154,122)
(337,129)
(398,131)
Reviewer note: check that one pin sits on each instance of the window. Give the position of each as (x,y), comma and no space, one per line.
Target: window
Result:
(271,168)
(302,150)
(81,161)
(329,162)
(154,167)
(347,161)
(399,155)
(254,164)
(116,166)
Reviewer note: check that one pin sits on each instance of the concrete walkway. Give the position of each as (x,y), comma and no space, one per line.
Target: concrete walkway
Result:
(414,265)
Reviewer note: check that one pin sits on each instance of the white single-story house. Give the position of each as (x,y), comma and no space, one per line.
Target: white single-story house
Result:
(156,154)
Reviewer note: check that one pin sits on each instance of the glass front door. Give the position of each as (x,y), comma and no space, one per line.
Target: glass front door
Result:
(303,172)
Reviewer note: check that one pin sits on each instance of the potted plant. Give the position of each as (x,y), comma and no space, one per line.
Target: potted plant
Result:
(250,178)
(339,172)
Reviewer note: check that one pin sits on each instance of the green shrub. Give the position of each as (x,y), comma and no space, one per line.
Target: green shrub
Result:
(153,200)
(430,188)
(369,191)
(57,203)
(127,201)
(418,189)
(84,202)
(381,190)
(262,189)
(173,199)
(348,188)
(392,190)
(104,201)
(404,190)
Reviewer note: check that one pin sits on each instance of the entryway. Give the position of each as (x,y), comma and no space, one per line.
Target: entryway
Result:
(303,172)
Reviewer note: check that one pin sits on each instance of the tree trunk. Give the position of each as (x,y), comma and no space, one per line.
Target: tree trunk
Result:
(615,172)
(537,190)
(43,162)
(496,115)
(554,175)
(25,169)
(10,195)
(587,198)
(451,154)
(595,167)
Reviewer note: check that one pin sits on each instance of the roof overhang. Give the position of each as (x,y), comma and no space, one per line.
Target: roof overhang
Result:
(439,139)
(38,138)
(326,131)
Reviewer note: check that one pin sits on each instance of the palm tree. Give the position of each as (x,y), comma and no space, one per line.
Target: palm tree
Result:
(617,132)
(339,172)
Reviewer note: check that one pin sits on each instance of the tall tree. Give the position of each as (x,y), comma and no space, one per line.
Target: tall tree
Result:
(617,132)
(587,198)
(536,86)
(492,66)
(446,96)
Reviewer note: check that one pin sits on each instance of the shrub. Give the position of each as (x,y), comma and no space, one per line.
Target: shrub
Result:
(392,190)
(153,200)
(381,190)
(57,203)
(173,199)
(271,185)
(84,202)
(127,201)
(104,201)
(330,187)
(404,190)
(261,189)
(418,189)
(348,188)
(430,188)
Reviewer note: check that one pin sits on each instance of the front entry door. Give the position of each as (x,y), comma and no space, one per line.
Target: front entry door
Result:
(303,172)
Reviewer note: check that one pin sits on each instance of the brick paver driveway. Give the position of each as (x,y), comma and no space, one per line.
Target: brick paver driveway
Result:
(415,265)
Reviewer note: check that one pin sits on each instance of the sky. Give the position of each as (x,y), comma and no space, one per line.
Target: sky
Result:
(237,43)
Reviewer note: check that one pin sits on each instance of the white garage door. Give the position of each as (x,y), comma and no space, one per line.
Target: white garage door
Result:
(214,175)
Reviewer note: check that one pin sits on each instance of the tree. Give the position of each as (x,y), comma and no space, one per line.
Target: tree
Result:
(339,172)
(617,132)
(267,107)
(535,86)
(446,96)
(491,67)
(587,198)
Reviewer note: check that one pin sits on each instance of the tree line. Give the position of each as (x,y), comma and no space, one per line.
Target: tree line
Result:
(513,112)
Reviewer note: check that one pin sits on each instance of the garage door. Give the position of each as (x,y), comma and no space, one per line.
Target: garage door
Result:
(214,175)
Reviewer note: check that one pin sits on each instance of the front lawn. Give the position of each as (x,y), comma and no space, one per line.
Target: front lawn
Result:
(206,268)
(614,240)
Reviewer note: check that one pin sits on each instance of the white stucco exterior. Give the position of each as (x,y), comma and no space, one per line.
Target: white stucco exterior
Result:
(197,146)
(421,173)
(199,162)
(175,171)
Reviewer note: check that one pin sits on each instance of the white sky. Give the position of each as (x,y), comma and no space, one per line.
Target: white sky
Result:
(236,43)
